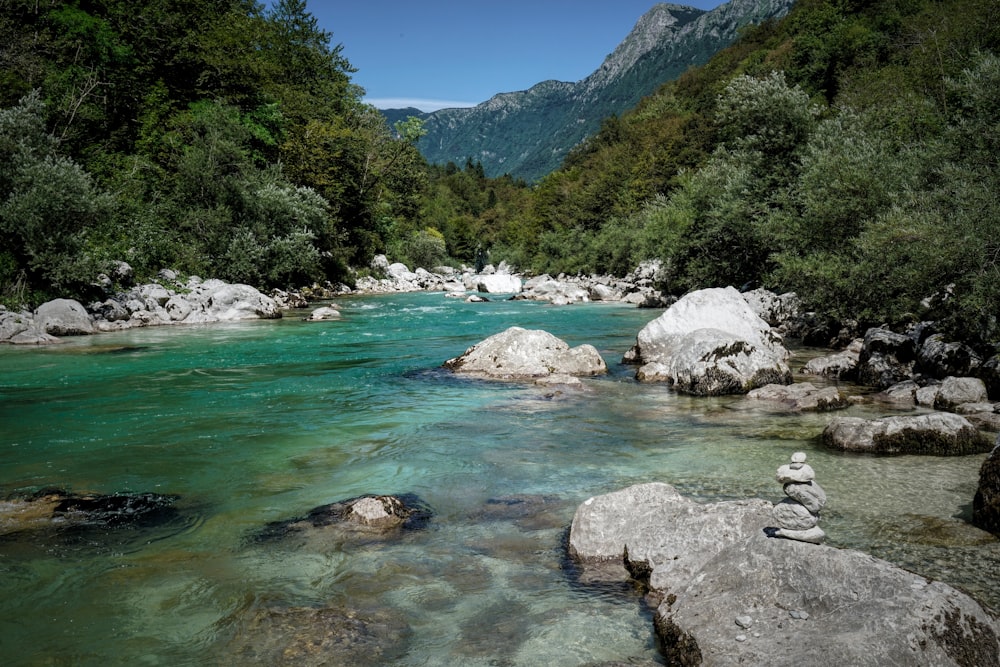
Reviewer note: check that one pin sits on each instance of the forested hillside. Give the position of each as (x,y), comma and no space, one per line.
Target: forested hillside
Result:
(209,136)
(848,152)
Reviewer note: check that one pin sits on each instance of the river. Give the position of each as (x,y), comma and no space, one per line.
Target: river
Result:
(254,422)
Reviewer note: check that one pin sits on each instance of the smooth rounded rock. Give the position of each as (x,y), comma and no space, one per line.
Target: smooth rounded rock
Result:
(789,514)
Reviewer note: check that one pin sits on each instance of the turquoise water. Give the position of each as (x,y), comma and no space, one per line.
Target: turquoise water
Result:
(261,421)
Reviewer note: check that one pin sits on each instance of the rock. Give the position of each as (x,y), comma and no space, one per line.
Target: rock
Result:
(801,397)
(710,342)
(886,358)
(12,324)
(498,283)
(937,433)
(319,636)
(810,495)
(63,317)
(524,353)
(818,605)
(986,504)
(323,313)
(774,309)
(178,308)
(60,510)
(663,537)
(793,515)
(364,516)
(902,393)
(556,292)
(955,391)
(985,421)
(841,365)
(227,303)
(940,359)
(989,373)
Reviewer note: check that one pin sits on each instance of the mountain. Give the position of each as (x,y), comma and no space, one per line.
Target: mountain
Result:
(528,133)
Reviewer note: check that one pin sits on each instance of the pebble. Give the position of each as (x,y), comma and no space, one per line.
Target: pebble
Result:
(744,621)
(741,638)
(801,615)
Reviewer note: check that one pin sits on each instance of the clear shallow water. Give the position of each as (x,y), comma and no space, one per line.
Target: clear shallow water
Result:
(262,421)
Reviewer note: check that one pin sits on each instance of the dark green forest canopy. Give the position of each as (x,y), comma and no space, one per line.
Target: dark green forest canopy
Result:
(847,152)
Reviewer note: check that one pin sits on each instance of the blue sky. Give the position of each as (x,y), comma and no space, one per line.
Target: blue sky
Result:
(431,54)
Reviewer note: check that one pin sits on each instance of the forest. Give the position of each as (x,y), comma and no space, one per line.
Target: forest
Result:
(848,152)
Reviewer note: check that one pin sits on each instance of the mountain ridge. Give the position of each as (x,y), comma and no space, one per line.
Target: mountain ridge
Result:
(528,133)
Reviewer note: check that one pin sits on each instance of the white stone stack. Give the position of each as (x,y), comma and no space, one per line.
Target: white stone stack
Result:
(797,515)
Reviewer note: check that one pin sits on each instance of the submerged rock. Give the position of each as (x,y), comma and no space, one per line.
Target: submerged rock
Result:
(937,433)
(55,508)
(519,354)
(801,397)
(318,636)
(711,342)
(364,516)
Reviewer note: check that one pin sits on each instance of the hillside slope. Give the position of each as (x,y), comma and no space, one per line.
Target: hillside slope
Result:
(528,133)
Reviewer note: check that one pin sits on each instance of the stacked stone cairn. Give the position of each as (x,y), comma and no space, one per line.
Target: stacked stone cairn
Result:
(798,514)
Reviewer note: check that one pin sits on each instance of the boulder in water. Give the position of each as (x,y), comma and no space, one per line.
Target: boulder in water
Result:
(711,342)
(936,433)
(519,354)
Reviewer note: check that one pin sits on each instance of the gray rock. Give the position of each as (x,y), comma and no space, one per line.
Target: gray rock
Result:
(178,308)
(849,609)
(902,393)
(63,317)
(840,365)
(663,537)
(955,391)
(941,359)
(498,283)
(792,515)
(811,495)
(710,342)
(937,433)
(801,397)
(775,309)
(221,302)
(986,504)
(886,358)
(323,313)
(517,354)
(12,324)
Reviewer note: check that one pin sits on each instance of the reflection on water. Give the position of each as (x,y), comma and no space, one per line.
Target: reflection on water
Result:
(260,422)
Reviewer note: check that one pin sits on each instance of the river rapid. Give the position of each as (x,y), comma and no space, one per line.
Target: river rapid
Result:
(255,422)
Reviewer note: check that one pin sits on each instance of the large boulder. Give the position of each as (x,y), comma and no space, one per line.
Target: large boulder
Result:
(956,391)
(517,354)
(711,342)
(886,358)
(498,283)
(936,433)
(657,534)
(223,302)
(12,324)
(940,359)
(986,504)
(778,602)
(64,317)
